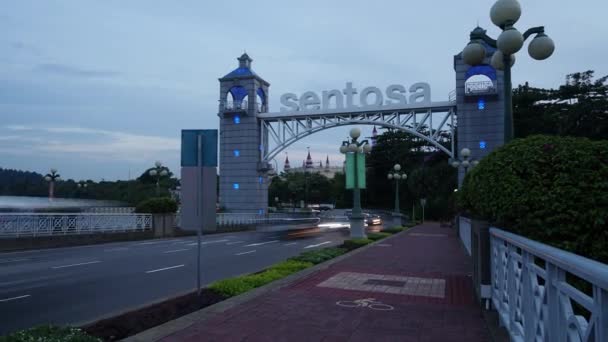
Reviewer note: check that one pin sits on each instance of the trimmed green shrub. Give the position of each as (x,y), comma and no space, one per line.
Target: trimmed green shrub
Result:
(235,286)
(394,230)
(548,188)
(158,205)
(321,255)
(49,334)
(355,243)
(378,236)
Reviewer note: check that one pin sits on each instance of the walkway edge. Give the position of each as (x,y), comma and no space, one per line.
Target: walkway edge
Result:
(168,328)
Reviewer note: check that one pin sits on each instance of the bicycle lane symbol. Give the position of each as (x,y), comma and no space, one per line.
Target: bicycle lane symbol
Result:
(369,303)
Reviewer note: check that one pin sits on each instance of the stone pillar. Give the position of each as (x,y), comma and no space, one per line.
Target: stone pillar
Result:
(480,253)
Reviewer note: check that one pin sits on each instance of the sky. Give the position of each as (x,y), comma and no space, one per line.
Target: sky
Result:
(100,89)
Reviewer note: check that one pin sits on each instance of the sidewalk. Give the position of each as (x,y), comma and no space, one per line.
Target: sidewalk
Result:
(419,282)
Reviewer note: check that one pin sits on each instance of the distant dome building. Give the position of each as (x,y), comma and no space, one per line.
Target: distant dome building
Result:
(308,166)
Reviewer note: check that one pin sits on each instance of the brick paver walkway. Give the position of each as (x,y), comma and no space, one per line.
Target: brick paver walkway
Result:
(413,287)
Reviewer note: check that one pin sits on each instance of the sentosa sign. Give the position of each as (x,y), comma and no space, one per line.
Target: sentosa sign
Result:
(368,98)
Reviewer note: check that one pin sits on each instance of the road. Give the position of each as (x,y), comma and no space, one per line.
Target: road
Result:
(79,284)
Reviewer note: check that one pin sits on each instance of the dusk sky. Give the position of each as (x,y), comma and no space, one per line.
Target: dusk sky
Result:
(98,89)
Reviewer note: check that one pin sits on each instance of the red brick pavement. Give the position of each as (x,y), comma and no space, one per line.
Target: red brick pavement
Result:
(304,311)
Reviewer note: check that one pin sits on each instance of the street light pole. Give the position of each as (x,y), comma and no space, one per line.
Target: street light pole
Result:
(355,151)
(397,176)
(466,162)
(504,14)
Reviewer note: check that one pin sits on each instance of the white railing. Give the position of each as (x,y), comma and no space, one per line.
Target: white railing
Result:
(464,231)
(33,224)
(110,210)
(533,297)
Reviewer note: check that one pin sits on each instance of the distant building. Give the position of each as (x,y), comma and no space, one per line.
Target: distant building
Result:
(309,166)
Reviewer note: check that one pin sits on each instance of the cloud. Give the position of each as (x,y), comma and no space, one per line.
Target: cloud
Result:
(89,143)
(72,71)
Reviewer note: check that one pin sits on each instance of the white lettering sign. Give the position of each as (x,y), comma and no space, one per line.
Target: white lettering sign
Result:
(370,97)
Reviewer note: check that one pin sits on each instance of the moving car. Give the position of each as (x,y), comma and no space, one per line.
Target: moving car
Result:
(372,220)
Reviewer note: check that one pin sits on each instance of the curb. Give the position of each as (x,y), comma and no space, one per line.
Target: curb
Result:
(178,324)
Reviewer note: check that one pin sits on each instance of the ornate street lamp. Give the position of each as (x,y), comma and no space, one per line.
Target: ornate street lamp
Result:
(505,14)
(158,172)
(52,177)
(355,177)
(465,162)
(397,176)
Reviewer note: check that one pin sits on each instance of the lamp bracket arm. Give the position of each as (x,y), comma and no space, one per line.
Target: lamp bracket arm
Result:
(533,30)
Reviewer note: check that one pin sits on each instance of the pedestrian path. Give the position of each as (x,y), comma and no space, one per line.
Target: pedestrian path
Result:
(415,286)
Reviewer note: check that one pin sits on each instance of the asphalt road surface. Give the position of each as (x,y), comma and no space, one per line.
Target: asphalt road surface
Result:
(75,285)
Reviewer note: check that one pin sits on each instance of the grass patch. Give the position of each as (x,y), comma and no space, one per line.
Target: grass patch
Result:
(321,255)
(238,285)
(49,333)
(378,236)
(355,243)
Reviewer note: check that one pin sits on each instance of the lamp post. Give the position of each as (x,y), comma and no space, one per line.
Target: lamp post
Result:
(397,176)
(465,162)
(504,14)
(355,177)
(158,172)
(52,177)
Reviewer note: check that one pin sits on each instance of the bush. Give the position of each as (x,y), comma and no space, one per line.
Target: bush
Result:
(238,285)
(355,243)
(321,255)
(394,230)
(378,236)
(159,205)
(548,188)
(49,334)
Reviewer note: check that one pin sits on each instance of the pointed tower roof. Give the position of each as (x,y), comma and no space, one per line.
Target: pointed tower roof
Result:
(309,164)
(243,71)
(327,162)
(286,166)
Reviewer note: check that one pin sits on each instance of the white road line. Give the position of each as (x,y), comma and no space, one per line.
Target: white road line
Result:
(234,243)
(116,249)
(166,268)
(289,244)
(12,260)
(148,243)
(249,252)
(261,243)
(14,298)
(80,264)
(317,245)
(206,242)
(177,250)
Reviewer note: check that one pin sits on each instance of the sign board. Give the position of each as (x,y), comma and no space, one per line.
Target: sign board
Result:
(369,97)
(355,167)
(423,202)
(198,179)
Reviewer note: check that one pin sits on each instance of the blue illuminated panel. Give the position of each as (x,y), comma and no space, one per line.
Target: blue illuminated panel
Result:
(261,212)
(481,104)
(482,144)
(261,179)
(237,153)
(235,186)
(236,119)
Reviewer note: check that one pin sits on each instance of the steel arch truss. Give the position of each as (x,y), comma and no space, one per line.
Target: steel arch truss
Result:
(430,124)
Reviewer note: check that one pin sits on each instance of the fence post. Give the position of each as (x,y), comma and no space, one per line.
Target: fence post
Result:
(480,253)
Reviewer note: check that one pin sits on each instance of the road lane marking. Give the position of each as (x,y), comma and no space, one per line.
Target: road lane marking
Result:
(234,243)
(177,250)
(116,249)
(289,244)
(261,243)
(243,253)
(166,268)
(317,245)
(148,243)
(14,298)
(12,260)
(80,264)
(206,242)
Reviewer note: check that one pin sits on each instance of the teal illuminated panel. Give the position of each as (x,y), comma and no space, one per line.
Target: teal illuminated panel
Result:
(190,151)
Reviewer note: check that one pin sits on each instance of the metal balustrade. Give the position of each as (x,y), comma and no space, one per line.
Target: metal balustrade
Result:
(33,224)
(110,210)
(535,298)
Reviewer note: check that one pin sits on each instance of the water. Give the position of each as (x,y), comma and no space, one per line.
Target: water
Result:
(26,203)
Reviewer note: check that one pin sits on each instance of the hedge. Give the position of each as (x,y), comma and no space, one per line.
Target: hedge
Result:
(355,243)
(548,188)
(378,236)
(321,255)
(49,334)
(158,205)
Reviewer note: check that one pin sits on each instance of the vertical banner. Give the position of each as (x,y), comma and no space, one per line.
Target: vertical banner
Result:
(199,179)
(361,170)
(350,170)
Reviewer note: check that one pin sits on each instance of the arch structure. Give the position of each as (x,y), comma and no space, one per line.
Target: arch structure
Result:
(427,122)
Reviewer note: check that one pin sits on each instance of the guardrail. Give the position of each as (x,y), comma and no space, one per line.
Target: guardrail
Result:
(535,298)
(34,224)
(110,210)
(464,231)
